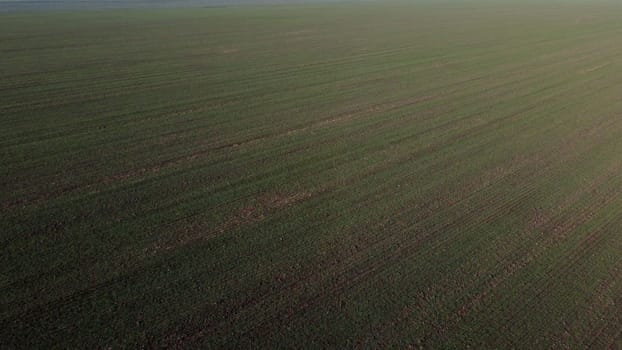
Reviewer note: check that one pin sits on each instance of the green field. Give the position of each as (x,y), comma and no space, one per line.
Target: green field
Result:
(362,175)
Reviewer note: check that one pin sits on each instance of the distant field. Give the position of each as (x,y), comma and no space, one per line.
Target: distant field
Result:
(46,5)
(376,175)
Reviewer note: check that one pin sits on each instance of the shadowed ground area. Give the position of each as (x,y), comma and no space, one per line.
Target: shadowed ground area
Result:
(381,174)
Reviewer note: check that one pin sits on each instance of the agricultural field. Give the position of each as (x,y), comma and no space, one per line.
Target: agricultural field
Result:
(429,174)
